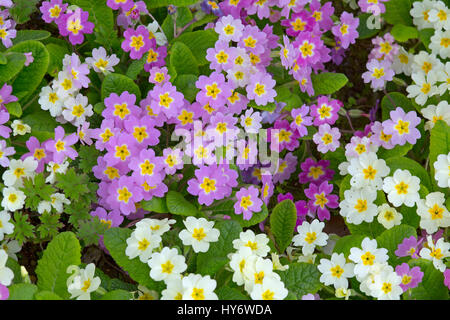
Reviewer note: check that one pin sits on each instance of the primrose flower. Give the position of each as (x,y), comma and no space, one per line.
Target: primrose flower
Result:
(251,121)
(316,172)
(336,271)
(270,289)
(436,252)
(172,160)
(442,170)
(433,213)
(367,170)
(18,170)
(388,216)
(440,16)
(83,283)
(101,62)
(147,168)
(402,188)
(346,31)
(122,4)
(256,242)
(123,194)
(423,87)
(5,152)
(52,10)
(309,236)
(367,256)
(281,136)
(358,205)
(435,113)
(165,264)
(37,151)
(13,199)
(208,185)
(54,168)
(137,42)
(402,126)
(379,72)
(301,120)
(320,199)
(6,227)
(374,7)
(141,244)
(7,32)
(213,90)
(197,287)
(142,130)
(6,274)
(120,108)
(308,49)
(386,285)
(167,99)
(247,202)
(158,226)
(410,277)
(300,22)
(199,233)
(327,138)
(6,96)
(75,24)
(326,111)
(409,247)
(4,130)
(229,28)
(50,100)
(20,128)
(77,109)
(159,76)
(60,146)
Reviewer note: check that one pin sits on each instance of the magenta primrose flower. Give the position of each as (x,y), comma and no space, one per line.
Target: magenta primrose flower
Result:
(248,201)
(327,138)
(112,219)
(52,10)
(123,194)
(298,23)
(321,199)
(410,277)
(172,160)
(137,42)
(408,247)
(213,90)
(75,24)
(308,48)
(325,111)
(346,31)
(288,196)
(123,4)
(166,99)
(121,149)
(208,184)
(120,108)
(4,130)
(374,7)
(6,96)
(8,33)
(322,14)
(316,172)
(4,292)
(286,167)
(301,120)
(60,147)
(147,168)
(5,152)
(402,126)
(79,71)
(281,136)
(38,152)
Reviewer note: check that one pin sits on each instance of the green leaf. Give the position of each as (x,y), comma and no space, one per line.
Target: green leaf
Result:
(15,268)
(24,35)
(393,100)
(439,144)
(227,293)
(403,33)
(23,229)
(301,278)
(292,100)
(36,190)
(184,16)
(412,166)
(397,12)
(119,83)
(282,223)
(14,64)
(185,84)
(29,78)
(47,295)
(14,108)
(198,42)
(50,225)
(117,295)
(177,204)
(367,27)
(344,244)
(432,286)
(89,231)
(22,291)
(328,82)
(270,107)
(22,10)
(62,252)
(391,238)
(116,242)
(74,185)
(57,54)
(256,218)
(425,36)
(3,59)
(397,151)
(208,263)
(135,68)
(165,3)
(155,204)
(182,59)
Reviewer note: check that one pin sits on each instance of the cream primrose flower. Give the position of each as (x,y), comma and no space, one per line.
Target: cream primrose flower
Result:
(336,271)
(436,112)
(6,227)
(18,170)
(343,293)
(386,286)
(51,101)
(199,233)
(11,247)
(426,64)
(58,200)
(444,77)
(141,243)
(166,264)
(402,188)
(77,110)
(174,289)
(197,287)
(388,216)
(270,289)
(257,243)
(54,168)
(402,62)
(440,16)
(433,213)
(436,252)
(238,262)
(146,294)
(276,262)
(256,271)
(161,39)
(20,128)
(13,199)
(368,170)
(421,13)
(309,258)
(367,256)
(440,43)
(6,274)
(310,235)
(358,205)
(157,226)
(442,170)
(423,87)
(367,281)
(83,283)
(44,206)
(64,85)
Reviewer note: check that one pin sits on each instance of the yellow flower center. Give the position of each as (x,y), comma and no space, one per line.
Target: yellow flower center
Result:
(386,288)
(78,110)
(60,146)
(344,29)
(106,135)
(367,258)
(147,168)
(321,200)
(369,173)
(327,138)
(337,271)
(315,172)
(426,67)
(86,285)
(52,97)
(403,58)
(402,127)
(198,294)
(250,42)
(361,205)
(259,277)
(124,195)
(298,24)
(306,49)
(402,188)
(121,110)
(208,185)
(406,279)
(137,42)
(436,253)
(101,64)
(246,202)
(259,89)
(436,212)
(122,152)
(143,244)
(310,237)
(39,154)
(199,234)
(165,100)
(378,73)
(268,295)
(167,267)
(75,26)
(252,245)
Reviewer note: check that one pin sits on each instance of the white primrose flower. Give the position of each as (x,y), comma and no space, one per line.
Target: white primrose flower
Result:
(77,110)
(238,262)
(6,227)
(51,101)
(421,13)
(257,243)
(11,247)
(423,87)
(13,199)
(58,200)
(270,289)
(160,37)
(146,294)
(251,121)
(64,85)
(166,264)
(54,168)
(197,287)
(358,205)
(256,271)
(386,286)
(174,289)
(440,16)
(81,285)
(336,271)
(367,256)
(440,43)
(402,62)
(436,252)
(19,169)
(310,235)
(369,279)
(426,64)
(20,128)
(436,112)
(6,274)
(388,216)
(368,170)
(433,213)
(199,233)
(157,226)
(442,170)
(101,62)
(141,243)
(402,188)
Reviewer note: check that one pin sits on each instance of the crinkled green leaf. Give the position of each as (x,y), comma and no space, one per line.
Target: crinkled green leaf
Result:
(119,83)
(47,295)
(227,293)
(182,59)
(155,204)
(301,278)
(22,291)
(344,244)
(391,238)
(57,54)
(392,101)
(117,295)
(432,286)
(328,82)
(185,84)
(198,42)
(14,64)
(177,204)
(403,33)
(24,35)
(397,12)
(282,223)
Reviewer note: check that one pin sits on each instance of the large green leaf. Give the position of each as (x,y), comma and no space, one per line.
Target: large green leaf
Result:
(57,54)
(393,100)
(328,82)
(397,151)
(282,223)
(301,278)
(165,3)
(116,242)
(30,77)
(24,35)
(403,33)
(155,204)
(117,295)
(185,84)
(198,42)
(14,64)
(22,291)
(119,83)
(182,59)
(216,257)
(439,144)
(397,12)
(390,239)
(344,244)
(61,252)
(47,295)
(432,286)
(177,204)
(227,293)
(412,166)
